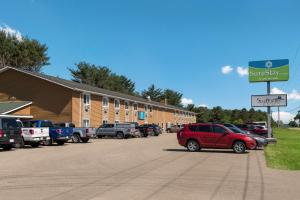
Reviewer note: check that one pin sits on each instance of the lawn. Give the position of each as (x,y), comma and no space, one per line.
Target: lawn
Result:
(286,153)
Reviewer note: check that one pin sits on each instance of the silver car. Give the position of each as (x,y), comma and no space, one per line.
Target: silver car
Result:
(124,130)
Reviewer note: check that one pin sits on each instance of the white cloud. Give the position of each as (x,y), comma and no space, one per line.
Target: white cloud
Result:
(276,90)
(226,69)
(286,117)
(242,71)
(11,32)
(186,101)
(203,105)
(294,95)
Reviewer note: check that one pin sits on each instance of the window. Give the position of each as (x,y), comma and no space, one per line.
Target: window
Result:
(9,124)
(105,102)
(150,108)
(200,128)
(86,123)
(135,106)
(117,103)
(218,129)
(104,122)
(86,99)
(46,124)
(126,105)
(146,108)
(117,121)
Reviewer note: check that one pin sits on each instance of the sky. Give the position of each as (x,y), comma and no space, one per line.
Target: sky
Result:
(200,48)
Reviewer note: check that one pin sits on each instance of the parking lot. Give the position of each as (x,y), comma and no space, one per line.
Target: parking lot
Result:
(140,168)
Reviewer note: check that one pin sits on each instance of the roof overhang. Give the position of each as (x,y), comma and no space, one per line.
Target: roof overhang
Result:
(17,108)
(17,116)
(91,92)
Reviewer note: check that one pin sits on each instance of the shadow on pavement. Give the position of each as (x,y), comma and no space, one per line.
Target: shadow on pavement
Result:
(204,151)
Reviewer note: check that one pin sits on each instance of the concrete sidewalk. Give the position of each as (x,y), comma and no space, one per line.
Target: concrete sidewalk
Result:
(141,169)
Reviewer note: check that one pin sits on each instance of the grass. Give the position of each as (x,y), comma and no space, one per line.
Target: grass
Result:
(286,153)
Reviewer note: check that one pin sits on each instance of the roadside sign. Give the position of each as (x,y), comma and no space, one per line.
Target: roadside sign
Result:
(269,70)
(272,100)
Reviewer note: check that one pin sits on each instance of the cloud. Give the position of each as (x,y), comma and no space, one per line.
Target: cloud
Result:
(186,101)
(276,90)
(11,32)
(203,105)
(226,69)
(294,95)
(242,71)
(286,117)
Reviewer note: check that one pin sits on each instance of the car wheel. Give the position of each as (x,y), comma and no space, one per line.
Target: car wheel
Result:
(76,138)
(120,135)
(239,147)
(48,142)
(7,147)
(35,145)
(60,142)
(20,144)
(193,145)
(85,140)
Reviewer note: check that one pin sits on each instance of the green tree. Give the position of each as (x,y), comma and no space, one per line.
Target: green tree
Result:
(155,94)
(293,124)
(23,53)
(102,77)
(297,117)
(173,97)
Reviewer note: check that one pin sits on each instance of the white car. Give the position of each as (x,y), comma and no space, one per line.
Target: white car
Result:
(34,136)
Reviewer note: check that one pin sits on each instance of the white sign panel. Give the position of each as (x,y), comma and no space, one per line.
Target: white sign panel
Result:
(273,100)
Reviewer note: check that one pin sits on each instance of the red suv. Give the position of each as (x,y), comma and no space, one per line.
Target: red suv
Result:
(216,136)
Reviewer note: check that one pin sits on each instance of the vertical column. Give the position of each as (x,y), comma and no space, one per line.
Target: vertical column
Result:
(269,111)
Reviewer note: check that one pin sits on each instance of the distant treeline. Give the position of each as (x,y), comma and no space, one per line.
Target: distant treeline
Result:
(236,116)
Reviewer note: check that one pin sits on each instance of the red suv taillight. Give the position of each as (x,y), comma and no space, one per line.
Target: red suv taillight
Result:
(1,133)
(31,131)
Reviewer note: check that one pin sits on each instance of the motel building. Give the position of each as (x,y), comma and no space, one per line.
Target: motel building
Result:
(33,95)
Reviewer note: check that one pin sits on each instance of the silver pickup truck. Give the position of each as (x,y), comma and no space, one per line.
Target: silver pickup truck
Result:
(124,130)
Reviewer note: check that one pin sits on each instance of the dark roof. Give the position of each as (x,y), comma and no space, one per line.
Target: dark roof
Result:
(10,106)
(91,89)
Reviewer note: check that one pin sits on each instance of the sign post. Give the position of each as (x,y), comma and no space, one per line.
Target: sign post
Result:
(267,71)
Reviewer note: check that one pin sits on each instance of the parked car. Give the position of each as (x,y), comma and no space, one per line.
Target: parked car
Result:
(57,134)
(34,136)
(254,129)
(145,130)
(150,129)
(10,133)
(124,130)
(260,141)
(197,136)
(82,134)
(174,128)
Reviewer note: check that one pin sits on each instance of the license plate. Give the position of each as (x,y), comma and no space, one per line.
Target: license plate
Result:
(11,140)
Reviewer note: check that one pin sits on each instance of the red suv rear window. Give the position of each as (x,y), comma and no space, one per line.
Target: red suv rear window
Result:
(200,128)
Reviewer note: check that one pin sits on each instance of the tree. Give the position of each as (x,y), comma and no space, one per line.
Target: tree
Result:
(23,53)
(297,117)
(102,77)
(293,124)
(173,97)
(155,94)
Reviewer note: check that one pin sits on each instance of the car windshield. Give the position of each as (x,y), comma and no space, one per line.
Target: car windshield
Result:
(237,130)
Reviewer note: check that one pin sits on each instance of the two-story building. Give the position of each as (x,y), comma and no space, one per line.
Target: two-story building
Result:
(60,100)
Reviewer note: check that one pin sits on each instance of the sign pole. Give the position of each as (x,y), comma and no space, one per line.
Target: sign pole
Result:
(278,123)
(269,111)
